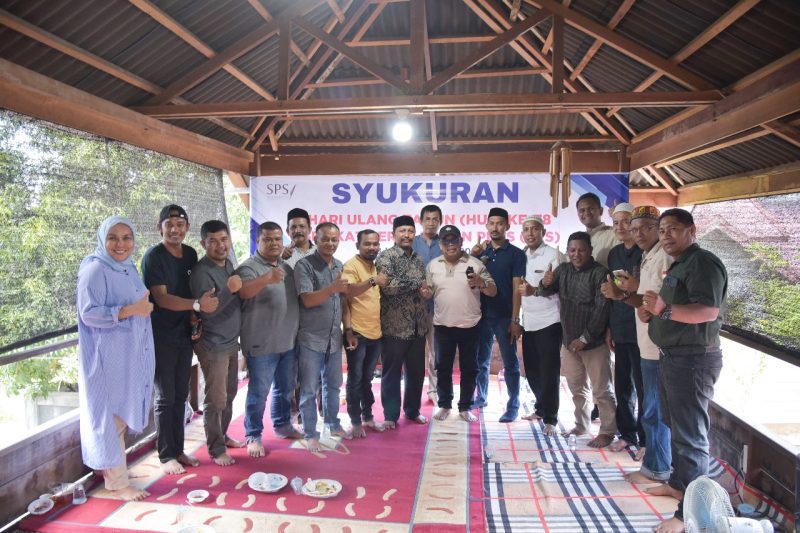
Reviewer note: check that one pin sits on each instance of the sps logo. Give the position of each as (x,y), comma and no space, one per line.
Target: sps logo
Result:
(280,190)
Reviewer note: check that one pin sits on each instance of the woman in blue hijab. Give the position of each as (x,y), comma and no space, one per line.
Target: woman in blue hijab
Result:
(116,357)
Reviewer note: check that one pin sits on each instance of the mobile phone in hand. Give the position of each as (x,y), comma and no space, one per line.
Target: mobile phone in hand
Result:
(470,271)
(621,274)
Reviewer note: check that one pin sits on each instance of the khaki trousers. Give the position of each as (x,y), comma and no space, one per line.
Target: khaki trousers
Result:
(588,374)
(116,478)
(430,357)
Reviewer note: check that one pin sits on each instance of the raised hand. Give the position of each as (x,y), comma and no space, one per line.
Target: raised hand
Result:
(209,302)
(340,284)
(475,281)
(480,247)
(381,280)
(234,283)
(276,275)
(549,277)
(142,307)
(287,251)
(628,283)
(644,314)
(609,289)
(525,289)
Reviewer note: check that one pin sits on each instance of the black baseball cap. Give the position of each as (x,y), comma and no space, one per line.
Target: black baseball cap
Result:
(449,230)
(173,210)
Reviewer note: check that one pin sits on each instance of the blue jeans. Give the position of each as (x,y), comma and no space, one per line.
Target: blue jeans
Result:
(264,369)
(314,366)
(687,385)
(658,454)
(360,371)
(491,328)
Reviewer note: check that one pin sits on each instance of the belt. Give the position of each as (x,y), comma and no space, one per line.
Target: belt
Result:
(688,349)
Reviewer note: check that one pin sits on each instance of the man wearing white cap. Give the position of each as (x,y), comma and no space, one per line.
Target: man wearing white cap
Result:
(541,340)
(624,260)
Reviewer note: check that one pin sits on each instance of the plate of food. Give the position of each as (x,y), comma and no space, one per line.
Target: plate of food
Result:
(322,488)
(40,505)
(263,482)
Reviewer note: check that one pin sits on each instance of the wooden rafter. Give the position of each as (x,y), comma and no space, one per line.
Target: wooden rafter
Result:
(469,74)
(502,39)
(418,43)
(353,55)
(728,18)
(448,141)
(488,102)
(619,14)
(442,39)
(548,42)
(557,60)
(337,11)
(784,131)
(622,44)
(285,29)
(663,179)
(67,48)
(267,16)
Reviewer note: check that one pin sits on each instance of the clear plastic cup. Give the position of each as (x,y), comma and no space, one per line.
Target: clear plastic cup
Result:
(572,442)
(78,494)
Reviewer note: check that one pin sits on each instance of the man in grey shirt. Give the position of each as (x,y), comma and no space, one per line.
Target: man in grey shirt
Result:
(321,288)
(218,348)
(270,314)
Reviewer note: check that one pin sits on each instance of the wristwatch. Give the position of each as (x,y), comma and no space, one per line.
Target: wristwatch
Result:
(625,295)
(516,320)
(196,306)
(666,314)
(372,281)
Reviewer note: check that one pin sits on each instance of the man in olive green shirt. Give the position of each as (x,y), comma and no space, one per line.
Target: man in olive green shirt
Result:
(684,322)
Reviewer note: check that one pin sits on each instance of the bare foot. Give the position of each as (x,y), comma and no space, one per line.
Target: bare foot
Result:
(673,525)
(665,490)
(313,445)
(129,494)
(359,432)
(600,441)
(619,445)
(172,467)
(419,419)
(233,443)
(574,431)
(467,416)
(550,430)
(639,454)
(289,431)
(256,449)
(340,432)
(188,460)
(224,460)
(377,426)
(433,398)
(531,416)
(442,414)
(389,424)
(639,478)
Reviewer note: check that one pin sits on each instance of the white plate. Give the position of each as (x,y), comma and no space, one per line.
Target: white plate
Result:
(40,505)
(197,496)
(262,482)
(310,488)
(197,528)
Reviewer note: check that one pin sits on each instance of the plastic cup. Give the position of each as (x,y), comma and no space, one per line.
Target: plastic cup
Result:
(78,494)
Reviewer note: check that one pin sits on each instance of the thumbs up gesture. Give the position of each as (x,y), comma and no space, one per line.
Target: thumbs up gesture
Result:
(610,290)
(234,283)
(525,288)
(142,307)
(549,277)
(340,284)
(209,302)
(288,251)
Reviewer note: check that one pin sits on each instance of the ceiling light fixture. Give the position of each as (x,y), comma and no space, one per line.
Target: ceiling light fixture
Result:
(402,131)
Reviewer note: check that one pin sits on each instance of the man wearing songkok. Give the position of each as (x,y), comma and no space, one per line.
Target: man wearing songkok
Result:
(456,281)
(298,227)
(270,317)
(323,309)
(500,314)
(363,336)
(404,322)
(218,348)
(541,340)
(657,456)
(426,246)
(685,320)
(166,268)
(624,259)
(590,213)
(116,359)
(584,317)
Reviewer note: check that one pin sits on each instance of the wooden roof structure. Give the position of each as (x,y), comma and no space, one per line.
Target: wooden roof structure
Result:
(700,100)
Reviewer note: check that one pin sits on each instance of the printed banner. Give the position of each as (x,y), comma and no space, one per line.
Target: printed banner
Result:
(358,202)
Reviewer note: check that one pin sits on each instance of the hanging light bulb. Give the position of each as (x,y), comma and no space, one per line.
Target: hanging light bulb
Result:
(402,130)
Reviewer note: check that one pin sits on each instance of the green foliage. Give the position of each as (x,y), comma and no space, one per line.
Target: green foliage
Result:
(56,186)
(239,220)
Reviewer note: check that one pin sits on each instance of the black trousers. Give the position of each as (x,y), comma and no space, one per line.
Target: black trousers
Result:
(399,353)
(173,367)
(447,341)
(627,380)
(541,353)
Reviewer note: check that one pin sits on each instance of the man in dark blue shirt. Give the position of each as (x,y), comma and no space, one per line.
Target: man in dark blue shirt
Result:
(500,314)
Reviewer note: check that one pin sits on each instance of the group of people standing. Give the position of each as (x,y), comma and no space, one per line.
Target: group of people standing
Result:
(642,288)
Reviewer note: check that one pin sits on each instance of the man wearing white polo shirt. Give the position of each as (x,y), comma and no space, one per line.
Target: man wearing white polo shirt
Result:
(541,340)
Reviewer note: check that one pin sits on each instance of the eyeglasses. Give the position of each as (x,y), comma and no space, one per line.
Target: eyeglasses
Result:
(649,227)
(451,242)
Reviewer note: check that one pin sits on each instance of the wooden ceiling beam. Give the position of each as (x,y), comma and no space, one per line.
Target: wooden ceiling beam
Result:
(768,99)
(557,59)
(285,32)
(432,103)
(619,14)
(354,55)
(337,11)
(655,196)
(34,32)
(548,42)
(663,179)
(448,141)
(400,41)
(262,11)
(418,44)
(784,131)
(469,74)
(624,45)
(780,180)
(500,27)
(733,140)
(502,39)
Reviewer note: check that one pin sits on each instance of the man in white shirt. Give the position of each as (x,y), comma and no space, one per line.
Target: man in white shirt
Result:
(541,340)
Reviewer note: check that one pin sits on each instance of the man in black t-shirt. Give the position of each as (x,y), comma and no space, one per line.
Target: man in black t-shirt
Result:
(166,268)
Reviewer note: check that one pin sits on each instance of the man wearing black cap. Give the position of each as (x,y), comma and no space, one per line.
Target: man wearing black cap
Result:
(500,315)
(166,268)
(404,322)
(456,281)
